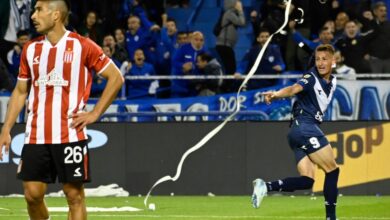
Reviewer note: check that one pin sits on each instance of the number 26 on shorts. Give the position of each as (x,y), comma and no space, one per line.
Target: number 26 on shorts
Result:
(73,154)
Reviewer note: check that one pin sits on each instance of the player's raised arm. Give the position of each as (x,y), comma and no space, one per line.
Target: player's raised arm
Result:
(15,105)
(282,93)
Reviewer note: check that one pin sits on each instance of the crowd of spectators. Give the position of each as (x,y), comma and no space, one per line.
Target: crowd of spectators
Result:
(143,41)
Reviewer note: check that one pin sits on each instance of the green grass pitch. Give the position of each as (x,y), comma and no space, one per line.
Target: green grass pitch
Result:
(218,207)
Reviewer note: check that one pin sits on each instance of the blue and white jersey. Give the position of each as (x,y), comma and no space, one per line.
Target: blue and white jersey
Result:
(313,101)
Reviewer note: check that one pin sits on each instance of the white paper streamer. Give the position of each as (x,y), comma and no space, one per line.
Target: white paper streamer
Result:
(301,20)
(215,131)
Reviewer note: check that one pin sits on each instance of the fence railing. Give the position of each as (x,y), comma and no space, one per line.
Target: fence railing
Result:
(262,76)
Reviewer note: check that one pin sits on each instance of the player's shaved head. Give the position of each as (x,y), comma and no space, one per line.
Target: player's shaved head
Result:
(62,6)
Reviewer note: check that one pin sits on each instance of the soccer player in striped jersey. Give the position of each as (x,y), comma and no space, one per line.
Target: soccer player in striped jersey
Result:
(56,75)
(314,92)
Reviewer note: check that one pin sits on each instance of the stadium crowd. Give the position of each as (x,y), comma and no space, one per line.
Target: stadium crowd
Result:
(142,40)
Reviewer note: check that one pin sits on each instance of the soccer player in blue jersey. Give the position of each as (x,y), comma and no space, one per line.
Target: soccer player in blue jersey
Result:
(309,144)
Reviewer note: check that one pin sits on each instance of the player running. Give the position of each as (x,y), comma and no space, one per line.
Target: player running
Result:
(314,92)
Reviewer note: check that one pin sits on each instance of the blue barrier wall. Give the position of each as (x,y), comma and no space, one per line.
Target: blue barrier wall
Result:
(135,155)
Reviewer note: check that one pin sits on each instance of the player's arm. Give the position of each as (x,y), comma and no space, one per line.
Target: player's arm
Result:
(114,83)
(15,105)
(282,93)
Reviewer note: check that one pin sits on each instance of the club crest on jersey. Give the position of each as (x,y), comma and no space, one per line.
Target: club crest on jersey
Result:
(51,79)
(68,56)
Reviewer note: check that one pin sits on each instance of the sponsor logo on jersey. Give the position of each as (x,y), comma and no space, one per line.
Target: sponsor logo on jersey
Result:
(52,79)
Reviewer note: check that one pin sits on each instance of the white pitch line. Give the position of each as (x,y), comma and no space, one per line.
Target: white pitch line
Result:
(4,209)
(214,217)
(98,209)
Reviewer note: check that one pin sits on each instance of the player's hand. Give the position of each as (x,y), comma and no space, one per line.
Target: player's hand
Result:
(82,119)
(269,96)
(5,141)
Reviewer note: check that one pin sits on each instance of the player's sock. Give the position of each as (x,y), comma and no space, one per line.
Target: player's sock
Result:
(291,184)
(330,193)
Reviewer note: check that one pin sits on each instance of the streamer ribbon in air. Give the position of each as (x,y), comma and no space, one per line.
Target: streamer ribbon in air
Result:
(215,131)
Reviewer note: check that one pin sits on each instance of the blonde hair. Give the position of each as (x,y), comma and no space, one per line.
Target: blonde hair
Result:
(326,48)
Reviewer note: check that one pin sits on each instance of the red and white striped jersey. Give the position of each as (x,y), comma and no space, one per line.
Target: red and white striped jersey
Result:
(61,78)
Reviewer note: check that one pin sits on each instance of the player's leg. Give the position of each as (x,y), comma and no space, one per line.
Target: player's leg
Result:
(324,158)
(34,193)
(297,140)
(305,167)
(72,163)
(75,197)
(305,181)
(36,170)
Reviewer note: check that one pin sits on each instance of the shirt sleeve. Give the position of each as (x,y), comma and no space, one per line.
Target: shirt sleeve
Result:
(96,59)
(24,69)
(307,81)
(298,37)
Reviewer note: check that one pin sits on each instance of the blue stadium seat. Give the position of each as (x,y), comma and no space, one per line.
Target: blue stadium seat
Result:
(210,3)
(209,15)
(179,14)
(245,40)
(240,53)
(181,25)
(205,27)
(247,29)
(210,40)
(205,3)
(193,3)
(246,3)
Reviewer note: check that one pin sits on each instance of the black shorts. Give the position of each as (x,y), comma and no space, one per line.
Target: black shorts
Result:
(44,162)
